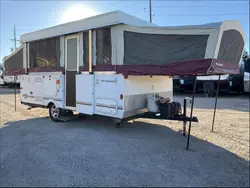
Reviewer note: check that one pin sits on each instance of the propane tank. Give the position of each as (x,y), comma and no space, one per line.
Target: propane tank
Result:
(151,103)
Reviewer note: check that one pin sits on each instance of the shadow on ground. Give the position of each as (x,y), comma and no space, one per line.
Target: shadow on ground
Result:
(7,91)
(92,152)
(225,101)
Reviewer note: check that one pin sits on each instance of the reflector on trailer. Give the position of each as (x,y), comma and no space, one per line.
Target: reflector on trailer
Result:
(121,96)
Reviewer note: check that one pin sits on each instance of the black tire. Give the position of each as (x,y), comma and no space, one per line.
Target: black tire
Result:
(54,113)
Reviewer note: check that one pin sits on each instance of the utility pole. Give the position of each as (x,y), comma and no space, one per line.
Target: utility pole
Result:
(15,37)
(150,11)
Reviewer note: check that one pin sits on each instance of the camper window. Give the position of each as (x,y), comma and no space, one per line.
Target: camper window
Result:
(45,53)
(141,48)
(103,46)
(86,49)
(231,46)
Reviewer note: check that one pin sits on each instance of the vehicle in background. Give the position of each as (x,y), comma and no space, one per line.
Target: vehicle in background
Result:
(1,76)
(208,84)
(228,83)
(186,83)
(176,83)
(247,76)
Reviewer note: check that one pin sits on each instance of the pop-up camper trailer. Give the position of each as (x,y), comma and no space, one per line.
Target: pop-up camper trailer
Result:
(111,64)
(13,67)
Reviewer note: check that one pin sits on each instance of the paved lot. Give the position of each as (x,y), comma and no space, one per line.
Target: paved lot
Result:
(92,152)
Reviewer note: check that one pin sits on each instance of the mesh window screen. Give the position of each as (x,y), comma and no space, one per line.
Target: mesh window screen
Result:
(86,49)
(231,46)
(103,46)
(71,60)
(141,48)
(45,53)
(15,61)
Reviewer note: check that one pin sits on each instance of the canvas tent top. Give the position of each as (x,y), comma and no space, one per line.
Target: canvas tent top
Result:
(13,53)
(102,20)
(13,63)
(208,49)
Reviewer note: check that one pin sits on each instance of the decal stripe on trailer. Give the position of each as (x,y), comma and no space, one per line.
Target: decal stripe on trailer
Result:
(100,105)
(45,98)
(109,106)
(25,96)
(84,103)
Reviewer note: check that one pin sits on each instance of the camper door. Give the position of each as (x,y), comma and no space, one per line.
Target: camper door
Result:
(71,68)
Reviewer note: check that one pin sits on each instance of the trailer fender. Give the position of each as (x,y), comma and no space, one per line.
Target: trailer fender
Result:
(49,104)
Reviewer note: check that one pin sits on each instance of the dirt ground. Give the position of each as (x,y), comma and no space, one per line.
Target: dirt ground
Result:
(144,153)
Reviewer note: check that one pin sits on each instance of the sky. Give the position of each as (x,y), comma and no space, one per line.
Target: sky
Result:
(33,15)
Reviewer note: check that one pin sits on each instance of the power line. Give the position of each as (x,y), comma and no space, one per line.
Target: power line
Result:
(139,10)
(204,14)
(133,4)
(7,31)
(24,30)
(191,6)
(8,37)
(122,7)
(4,43)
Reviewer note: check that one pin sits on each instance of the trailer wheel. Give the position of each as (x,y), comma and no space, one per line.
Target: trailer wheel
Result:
(54,112)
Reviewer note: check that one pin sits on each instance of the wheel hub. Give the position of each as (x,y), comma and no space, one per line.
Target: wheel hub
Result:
(54,111)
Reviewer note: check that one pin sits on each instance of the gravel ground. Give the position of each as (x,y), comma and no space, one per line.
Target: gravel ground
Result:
(92,152)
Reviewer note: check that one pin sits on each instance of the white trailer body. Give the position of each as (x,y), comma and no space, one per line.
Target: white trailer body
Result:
(102,94)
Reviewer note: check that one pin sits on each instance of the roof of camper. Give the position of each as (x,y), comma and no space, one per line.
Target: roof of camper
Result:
(205,26)
(102,20)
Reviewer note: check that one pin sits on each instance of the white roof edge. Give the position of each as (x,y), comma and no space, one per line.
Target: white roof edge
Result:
(216,25)
(13,53)
(108,19)
(205,26)
(126,19)
(102,20)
